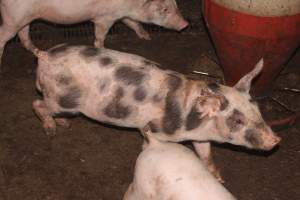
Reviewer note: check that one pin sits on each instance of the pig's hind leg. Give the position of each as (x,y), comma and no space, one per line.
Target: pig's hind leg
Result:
(138,28)
(102,27)
(45,115)
(203,150)
(62,118)
(25,39)
(63,122)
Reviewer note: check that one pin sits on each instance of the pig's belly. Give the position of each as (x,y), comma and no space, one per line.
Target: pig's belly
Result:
(138,118)
(60,18)
(66,14)
(129,122)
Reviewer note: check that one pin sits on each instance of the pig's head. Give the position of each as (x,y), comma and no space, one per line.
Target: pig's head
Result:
(236,117)
(160,12)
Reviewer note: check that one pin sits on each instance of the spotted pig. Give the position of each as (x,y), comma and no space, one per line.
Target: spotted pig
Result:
(17,15)
(159,175)
(130,91)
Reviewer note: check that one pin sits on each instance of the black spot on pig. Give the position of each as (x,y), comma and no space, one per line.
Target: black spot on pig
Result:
(139,94)
(104,61)
(193,119)
(153,127)
(157,98)
(58,49)
(224,104)
(253,138)
(71,98)
(235,121)
(172,119)
(129,76)
(214,87)
(174,82)
(90,51)
(64,80)
(115,109)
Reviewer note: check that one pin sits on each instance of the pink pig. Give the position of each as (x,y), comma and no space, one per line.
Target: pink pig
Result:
(17,15)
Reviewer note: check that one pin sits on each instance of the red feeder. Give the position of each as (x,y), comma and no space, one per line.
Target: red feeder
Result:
(244,31)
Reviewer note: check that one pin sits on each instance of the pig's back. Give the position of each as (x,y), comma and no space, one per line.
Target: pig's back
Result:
(106,75)
(89,64)
(178,174)
(63,12)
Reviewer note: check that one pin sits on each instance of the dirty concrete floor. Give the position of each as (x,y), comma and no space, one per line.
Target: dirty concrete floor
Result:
(94,161)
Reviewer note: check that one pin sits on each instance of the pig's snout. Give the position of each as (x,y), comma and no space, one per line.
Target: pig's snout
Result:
(177,22)
(271,142)
(182,25)
(261,139)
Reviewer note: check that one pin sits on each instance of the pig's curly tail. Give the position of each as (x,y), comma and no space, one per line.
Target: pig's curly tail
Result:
(148,136)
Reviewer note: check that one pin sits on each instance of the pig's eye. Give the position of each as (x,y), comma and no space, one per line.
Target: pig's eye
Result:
(165,10)
(239,121)
(235,121)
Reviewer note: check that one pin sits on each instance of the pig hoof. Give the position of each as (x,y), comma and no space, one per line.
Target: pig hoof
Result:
(50,131)
(63,122)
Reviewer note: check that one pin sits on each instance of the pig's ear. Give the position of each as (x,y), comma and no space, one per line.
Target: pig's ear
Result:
(244,83)
(209,104)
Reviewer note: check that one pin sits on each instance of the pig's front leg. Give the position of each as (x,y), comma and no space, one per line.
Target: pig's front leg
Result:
(138,28)
(26,41)
(101,29)
(6,33)
(203,149)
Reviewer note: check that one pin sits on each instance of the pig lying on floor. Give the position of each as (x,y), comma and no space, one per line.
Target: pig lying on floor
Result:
(17,14)
(128,90)
(170,171)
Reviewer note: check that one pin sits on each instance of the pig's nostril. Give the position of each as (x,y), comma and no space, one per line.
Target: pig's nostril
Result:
(183,25)
(271,143)
(186,23)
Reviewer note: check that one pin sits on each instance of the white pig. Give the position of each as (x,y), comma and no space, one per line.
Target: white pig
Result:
(170,171)
(17,14)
